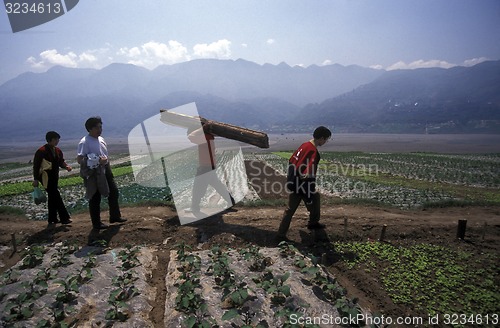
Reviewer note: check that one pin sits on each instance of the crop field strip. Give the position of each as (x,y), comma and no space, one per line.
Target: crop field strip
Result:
(405,180)
(395,179)
(401,180)
(53,284)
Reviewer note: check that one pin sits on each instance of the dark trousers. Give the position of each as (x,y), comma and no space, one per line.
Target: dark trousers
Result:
(55,203)
(294,200)
(95,202)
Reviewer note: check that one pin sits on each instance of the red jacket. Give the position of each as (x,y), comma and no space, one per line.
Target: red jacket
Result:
(306,159)
(56,158)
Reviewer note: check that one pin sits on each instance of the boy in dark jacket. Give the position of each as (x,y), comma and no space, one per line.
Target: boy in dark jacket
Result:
(46,163)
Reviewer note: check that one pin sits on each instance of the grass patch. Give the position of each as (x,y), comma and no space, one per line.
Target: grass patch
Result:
(431,279)
(17,188)
(283,154)
(11,166)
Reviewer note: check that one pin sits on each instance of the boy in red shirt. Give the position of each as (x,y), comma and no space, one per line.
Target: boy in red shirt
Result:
(53,155)
(301,181)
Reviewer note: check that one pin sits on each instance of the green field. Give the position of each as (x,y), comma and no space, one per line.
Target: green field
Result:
(407,180)
(412,180)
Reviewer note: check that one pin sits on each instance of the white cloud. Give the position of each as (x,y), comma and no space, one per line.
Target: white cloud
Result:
(474,61)
(87,57)
(270,41)
(55,58)
(377,67)
(433,63)
(244,45)
(149,55)
(153,54)
(326,62)
(52,57)
(34,63)
(132,52)
(171,53)
(218,49)
(420,64)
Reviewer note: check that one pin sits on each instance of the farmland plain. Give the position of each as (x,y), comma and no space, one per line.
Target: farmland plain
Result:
(418,194)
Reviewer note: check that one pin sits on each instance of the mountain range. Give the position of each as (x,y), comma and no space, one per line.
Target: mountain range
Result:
(267,97)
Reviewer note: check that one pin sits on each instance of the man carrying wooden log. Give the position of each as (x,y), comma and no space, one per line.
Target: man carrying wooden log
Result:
(206,173)
(301,182)
(189,192)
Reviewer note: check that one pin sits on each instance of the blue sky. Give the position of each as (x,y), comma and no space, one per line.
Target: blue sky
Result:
(386,34)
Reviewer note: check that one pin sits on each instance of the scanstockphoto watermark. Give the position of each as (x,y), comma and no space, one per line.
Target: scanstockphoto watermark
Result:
(336,178)
(360,319)
(25,14)
(363,319)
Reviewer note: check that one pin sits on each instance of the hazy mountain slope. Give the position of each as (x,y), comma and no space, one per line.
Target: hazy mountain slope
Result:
(238,92)
(454,100)
(270,97)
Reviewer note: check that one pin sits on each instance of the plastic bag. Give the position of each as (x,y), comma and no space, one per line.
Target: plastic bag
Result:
(39,196)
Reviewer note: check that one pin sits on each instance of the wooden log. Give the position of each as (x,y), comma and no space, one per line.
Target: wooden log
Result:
(229,131)
(182,120)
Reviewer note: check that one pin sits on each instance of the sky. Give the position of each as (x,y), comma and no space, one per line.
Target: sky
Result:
(382,34)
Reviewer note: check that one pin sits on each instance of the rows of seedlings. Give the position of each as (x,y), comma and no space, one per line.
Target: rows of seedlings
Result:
(63,285)
(347,182)
(254,287)
(471,170)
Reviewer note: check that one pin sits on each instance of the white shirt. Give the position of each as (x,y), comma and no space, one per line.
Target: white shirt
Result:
(89,145)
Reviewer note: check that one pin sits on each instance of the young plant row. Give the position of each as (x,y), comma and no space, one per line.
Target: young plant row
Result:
(430,278)
(329,288)
(27,304)
(381,178)
(23,306)
(189,300)
(480,170)
(241,294)
(124,288)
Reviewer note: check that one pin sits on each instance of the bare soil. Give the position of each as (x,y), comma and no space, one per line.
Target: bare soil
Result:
(159,226)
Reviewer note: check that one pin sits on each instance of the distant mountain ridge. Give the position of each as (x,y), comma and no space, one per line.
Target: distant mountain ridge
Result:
(235,91)
(276,98)
(431,100)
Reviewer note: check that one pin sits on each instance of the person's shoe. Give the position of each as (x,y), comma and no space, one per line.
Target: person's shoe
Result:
(53,221)
(315,226)
(67,221)
(100,227)
(118,220)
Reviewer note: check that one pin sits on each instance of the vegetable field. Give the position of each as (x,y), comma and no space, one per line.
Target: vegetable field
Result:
(405,180)
(229,270)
